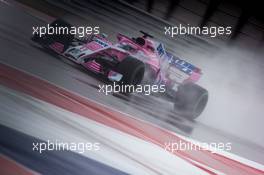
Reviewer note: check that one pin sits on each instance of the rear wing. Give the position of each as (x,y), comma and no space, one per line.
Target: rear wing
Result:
(180,64)
(183,65)
(181,70)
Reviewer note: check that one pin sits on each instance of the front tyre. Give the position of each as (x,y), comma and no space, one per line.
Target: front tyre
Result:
(191,100)
(132,70)
(59,31)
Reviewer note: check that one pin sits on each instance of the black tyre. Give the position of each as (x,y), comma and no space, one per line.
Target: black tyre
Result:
(63,37)
(149,76)
(132,70)
(190,100)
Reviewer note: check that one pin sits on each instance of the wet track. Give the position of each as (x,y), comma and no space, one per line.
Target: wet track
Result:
(29,116)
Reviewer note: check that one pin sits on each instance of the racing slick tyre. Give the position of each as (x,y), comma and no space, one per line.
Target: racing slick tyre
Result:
(132,70)
(149,76)
(65,38)
(54,36)
(190,100)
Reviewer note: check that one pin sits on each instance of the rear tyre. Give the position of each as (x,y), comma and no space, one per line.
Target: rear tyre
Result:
(132,70)
(190,100)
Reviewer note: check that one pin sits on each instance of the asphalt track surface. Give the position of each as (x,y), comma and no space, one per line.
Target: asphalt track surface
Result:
(18,51)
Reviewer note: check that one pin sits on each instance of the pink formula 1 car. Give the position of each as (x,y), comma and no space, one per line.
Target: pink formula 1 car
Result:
(133,61)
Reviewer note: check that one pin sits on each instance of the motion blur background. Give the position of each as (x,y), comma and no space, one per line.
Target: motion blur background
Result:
(232,65)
